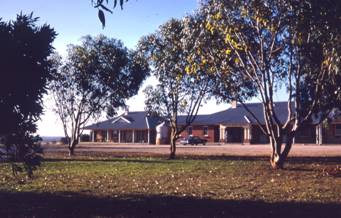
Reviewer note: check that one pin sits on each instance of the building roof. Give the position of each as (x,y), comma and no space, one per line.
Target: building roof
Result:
(233,116)
(201,119)
(240,116)
(132,120)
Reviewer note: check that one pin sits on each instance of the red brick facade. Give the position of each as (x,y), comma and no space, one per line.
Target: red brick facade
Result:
(212,132)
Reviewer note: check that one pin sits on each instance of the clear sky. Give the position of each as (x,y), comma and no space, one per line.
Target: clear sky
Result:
(73,19)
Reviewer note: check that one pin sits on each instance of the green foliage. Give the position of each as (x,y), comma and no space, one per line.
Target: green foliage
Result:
(156,103)
(209,57)
(178,91)
(252,37)
(100,74)
(318,50)
(264,45)
(25,71)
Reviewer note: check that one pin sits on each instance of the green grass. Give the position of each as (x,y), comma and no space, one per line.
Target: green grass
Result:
(222,179)
(216,179)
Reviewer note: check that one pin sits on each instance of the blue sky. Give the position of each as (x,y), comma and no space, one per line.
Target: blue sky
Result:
(75,18)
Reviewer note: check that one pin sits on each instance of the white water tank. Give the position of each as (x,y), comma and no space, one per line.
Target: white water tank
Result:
(162,134)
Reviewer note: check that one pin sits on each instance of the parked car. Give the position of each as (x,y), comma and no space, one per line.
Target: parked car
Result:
(193,140)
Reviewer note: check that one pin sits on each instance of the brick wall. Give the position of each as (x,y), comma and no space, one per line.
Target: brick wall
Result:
(198,130)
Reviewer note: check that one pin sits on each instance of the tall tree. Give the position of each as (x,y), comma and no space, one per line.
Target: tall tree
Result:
(100,74)
(273,44)
(178,92)
(25,71)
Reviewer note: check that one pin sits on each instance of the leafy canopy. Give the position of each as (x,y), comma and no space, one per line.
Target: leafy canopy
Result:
(100,74)
(273,44)
(178,91)
(25,71)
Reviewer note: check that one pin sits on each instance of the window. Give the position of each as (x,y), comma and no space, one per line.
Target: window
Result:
(205,131)
(338,130)
(189,130)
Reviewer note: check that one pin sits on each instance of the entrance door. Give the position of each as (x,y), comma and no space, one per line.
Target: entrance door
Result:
(234,134)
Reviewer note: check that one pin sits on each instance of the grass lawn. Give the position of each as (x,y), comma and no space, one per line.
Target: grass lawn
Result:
(187,187)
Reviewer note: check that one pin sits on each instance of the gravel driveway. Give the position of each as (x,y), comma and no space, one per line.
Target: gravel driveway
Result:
(212,149)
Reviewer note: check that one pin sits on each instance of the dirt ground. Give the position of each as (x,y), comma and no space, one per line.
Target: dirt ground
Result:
(298,150)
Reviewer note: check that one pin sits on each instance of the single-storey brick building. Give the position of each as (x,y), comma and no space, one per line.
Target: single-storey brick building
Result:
(234,125)
(237,125)
(130,127)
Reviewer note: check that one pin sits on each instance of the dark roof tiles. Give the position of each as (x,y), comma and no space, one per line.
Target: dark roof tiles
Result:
(239,115)
(231,116)
(133,120)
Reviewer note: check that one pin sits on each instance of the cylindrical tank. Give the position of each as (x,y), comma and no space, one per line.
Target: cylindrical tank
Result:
(162,134)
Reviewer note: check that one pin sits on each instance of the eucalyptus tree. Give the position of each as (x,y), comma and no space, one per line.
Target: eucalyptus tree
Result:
(25,72)
(97,76)
(273,44)
(178,90)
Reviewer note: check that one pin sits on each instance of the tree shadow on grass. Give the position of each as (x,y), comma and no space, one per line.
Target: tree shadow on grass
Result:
(316,160)
(79,205)
(164,159)
(114,159)
(299,169)
(331,159)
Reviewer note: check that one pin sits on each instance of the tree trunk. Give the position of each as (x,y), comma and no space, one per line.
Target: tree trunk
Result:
(172,149)
(71,151)
(72,146)
(172,144)
(279,157)
(276,161)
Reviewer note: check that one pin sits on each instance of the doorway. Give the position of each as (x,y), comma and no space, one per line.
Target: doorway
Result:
(234,135)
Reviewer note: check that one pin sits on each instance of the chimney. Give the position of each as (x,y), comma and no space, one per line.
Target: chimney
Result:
(234,104)
(126,111)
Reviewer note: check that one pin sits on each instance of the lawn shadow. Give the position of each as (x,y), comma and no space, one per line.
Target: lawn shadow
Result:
(80,205)
(299,169)
(113,160)
(153,158)
(316,160)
